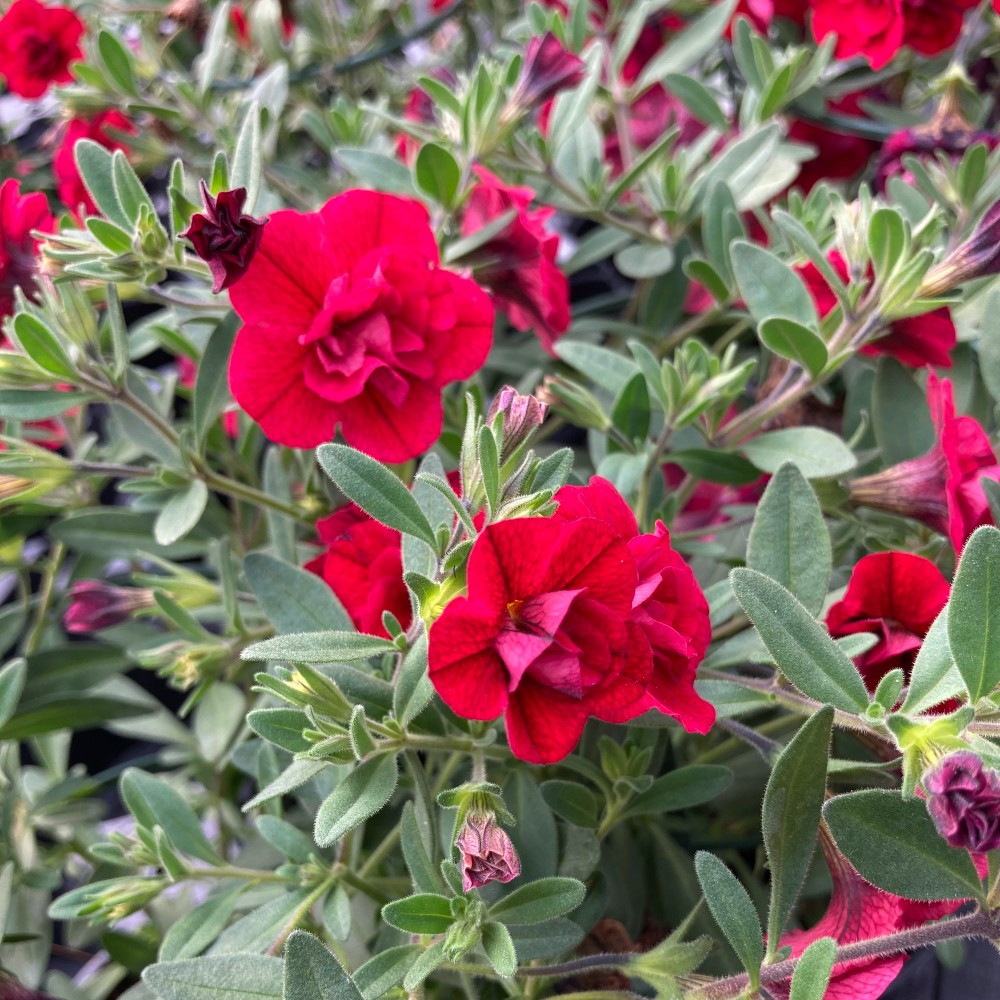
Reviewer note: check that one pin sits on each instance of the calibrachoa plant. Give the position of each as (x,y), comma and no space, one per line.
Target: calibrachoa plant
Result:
(498,500)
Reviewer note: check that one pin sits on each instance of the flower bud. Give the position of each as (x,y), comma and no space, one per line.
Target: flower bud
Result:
(964,801)
(223,237)
(573,402)
(547,68)
(95,604)
(977,257)
(487,852)
(521,415)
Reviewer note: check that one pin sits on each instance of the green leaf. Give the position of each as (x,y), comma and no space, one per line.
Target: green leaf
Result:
(770,287)
(790,339)
(413,689)
(211,389)
(893,844)
(733,911)
(974,613)
(716,466)
(681,789)
(385,970)
(38,404)
(791,811)
(900,419)
(375,489)
(546,940)
(698,99)
(196,930)
(259,929)
(293,599)
(104,532)
(425,964)
(817,453)
(934,677)
(425,873)
(337,913)
(312,973)
(644,260)
(12,678)
(319,647)
(630,412)
(59,713)
(688,46)
(181,513)
(887,240)
(499,948)
(247,165)
(801,647)
(359,796)
(424,913)
(374,170)
(281,726)
(571,801)
(97,173)
(538,901)
(221,977)
(117,62)
(437,174)
(608,369)
(155,803)
(812,973)
(43,346)
(789,541)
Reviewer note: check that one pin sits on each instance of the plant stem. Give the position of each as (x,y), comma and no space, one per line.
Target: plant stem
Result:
(652,468)
(229,871)
(45,591)
(300,911)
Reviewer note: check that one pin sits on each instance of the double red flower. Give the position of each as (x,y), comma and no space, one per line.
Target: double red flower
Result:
(19,215)
(570,617)
(349,320)
(37,44)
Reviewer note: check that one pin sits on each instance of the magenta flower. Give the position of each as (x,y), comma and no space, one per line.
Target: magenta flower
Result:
(95,605)
(964,801)
(547,68)
(521,415)
(487,852)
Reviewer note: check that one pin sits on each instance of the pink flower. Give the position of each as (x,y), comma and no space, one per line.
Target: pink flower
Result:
(95,604)
(363,565)
(487,852)
(964,801)
(668,605)
(548,67)
(351,322)
(897,596)
(72,192)
(518,264)
(869,28)
(543,635)
(521,415)
(19,215)
(223,236)
(37,44)
(941,488)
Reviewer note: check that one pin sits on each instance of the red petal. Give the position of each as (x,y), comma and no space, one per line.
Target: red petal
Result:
(597,499)
(393,432)
(543,725)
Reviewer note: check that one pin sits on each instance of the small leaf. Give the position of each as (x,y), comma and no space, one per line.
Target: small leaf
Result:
(801,647)
(812,973)
(312,973)
(12,678)
(817,453)
(437,174)
(789,339)
(211,388)
(499,948)
(181,513)
(319,647)
(792,803)
(974,613)
(789,541)
(424,913)
(97,173)
(385,970)
(934,677)
(571,801)
(893,844)
(733,911)
(770,287)
(375,489)
(681,789)
(538,901)
(43,346)
(359,796)
(196,930)
(246,168)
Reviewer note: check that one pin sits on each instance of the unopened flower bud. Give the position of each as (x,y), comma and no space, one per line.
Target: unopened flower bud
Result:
(223,237)
(977,257)
(487,852)
(95,604)
(548,67)
(964,801)
(521,415)
(573,402)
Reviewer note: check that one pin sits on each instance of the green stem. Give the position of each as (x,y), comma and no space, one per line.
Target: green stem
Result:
(300,912)
(348,877)
(230,871)
(45,592)
(652,468)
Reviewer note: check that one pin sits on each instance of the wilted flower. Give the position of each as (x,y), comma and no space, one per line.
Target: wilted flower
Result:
(95,604)
(487,852)
(964,801)
(521,415)
(223,236)
(547,68)
(977,257)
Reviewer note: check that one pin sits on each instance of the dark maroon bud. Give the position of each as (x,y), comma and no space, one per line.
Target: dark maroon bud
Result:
(963,799)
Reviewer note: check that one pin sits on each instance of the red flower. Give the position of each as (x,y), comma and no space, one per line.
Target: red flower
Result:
(363,565)
(518,264)
(951,135)
(838,156)
(933,26)
(544,634)
(869,28)
(487,852)
(19,215)
(964,801)
(187,375)
(668,604)
(917,340)
(547,68)
(37,44)
(350,321)
(72,192)
(897,596)
(223,236)
(941,488)
(858,911)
